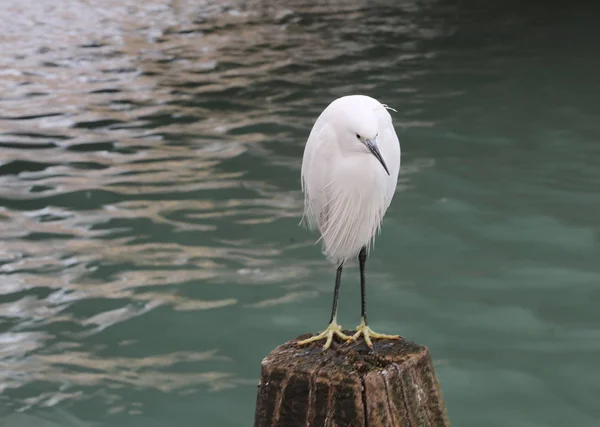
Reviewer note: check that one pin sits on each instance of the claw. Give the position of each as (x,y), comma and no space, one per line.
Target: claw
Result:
(332,329)
(368,333)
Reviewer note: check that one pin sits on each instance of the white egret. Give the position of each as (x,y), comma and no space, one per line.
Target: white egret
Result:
(349,173)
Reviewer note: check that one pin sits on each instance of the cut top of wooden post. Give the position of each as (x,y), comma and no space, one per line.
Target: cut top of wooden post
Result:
(349,385)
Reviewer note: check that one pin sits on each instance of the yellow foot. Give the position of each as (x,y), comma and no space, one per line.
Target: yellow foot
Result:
(369,334)
(332,329)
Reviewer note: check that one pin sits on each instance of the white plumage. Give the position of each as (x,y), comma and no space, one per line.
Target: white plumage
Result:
(347,189)
(349,173)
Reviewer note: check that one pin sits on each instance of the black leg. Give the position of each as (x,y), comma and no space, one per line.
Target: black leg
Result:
(362,258)
(336,291)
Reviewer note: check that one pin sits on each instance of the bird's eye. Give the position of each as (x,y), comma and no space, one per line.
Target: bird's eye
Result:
(357,136)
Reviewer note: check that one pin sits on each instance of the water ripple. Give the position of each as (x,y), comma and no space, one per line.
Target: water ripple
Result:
(149,195)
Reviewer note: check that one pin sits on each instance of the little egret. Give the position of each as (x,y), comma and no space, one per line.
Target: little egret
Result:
(349,173)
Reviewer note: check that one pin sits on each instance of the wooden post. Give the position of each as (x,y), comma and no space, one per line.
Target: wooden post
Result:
(349,386)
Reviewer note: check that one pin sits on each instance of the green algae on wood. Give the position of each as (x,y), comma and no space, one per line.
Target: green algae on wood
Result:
(349,385)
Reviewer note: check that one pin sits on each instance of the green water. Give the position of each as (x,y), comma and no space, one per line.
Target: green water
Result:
(149,201)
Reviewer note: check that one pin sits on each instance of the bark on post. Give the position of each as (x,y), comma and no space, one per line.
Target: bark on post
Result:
(349,385)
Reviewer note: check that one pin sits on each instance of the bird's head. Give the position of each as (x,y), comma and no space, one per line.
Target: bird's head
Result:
(355,121)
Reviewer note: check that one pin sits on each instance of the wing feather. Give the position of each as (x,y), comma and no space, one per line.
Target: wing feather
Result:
(316,175)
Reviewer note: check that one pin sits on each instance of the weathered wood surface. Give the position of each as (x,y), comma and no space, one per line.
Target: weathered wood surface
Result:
(393,385)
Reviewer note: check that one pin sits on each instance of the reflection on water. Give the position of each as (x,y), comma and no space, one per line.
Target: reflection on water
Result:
(149,195)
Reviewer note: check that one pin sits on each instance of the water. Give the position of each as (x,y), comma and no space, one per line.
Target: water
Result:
(149,201)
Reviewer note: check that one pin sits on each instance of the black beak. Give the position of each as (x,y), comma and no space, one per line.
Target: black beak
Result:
(372,146)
